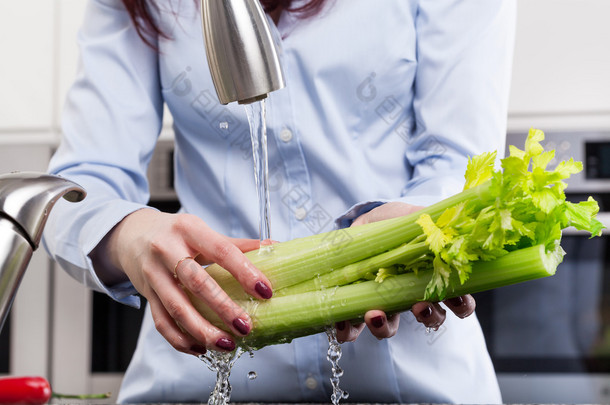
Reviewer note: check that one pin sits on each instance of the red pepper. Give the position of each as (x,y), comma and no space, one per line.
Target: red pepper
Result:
(24,390)
(33,390)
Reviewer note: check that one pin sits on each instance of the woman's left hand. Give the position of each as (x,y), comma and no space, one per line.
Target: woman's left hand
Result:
(431,314)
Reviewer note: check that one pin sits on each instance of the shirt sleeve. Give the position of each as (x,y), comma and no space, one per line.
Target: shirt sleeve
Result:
(111,122)
(462,83)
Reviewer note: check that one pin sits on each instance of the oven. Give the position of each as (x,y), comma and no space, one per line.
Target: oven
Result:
(115,327)
(93,337)
(549,339)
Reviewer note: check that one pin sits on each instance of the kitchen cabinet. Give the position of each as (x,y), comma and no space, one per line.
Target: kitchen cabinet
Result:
(70,14)
(27,68)
(561,70)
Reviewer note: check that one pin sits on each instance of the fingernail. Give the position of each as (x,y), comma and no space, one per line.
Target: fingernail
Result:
(263,290)
(377,321)
(198,349)
(456,302)
(340,325)
(241,326)
(426,313)
(226,344)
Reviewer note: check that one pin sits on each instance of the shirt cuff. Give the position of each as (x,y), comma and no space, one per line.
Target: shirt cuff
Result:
(72,246)
(345,220)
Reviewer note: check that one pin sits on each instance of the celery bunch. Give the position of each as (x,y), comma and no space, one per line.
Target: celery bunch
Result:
(504,228)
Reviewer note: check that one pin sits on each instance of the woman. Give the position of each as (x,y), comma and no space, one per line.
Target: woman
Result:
(382,103)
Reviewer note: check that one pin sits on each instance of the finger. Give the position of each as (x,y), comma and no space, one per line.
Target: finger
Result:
(246,245)
(179,308)
(221,250)
(430,314)
(196,280)
(166,326)
(348,332)
(380,325)
(461,306)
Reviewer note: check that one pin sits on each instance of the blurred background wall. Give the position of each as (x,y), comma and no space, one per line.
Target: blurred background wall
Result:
(561,82)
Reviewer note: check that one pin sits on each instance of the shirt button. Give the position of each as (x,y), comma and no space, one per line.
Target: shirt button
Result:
(300,213)
(311,383)
(286,135)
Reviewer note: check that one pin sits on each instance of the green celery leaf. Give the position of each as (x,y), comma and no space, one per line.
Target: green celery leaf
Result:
(479,169)
(437,238)
(437,287)
(582,216)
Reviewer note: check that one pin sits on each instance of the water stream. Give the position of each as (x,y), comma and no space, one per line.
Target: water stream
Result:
(222,363)
(333,355)
(258,133)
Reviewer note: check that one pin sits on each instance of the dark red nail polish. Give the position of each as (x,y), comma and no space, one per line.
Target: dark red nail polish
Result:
(263,290)
(377,321)
(198,349)
(241,326)
(226,344)
(427,312)
(340,325)
(456,302)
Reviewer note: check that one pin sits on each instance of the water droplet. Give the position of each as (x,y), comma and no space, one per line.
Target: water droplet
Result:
(224,125)
(343,303)
(252,375)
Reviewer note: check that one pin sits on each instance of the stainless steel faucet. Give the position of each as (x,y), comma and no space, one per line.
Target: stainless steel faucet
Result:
(240,50)
(26,199)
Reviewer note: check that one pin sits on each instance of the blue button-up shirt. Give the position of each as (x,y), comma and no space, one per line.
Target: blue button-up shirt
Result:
(384,101)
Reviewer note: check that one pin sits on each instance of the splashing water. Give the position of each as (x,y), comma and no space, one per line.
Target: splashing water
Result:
(252,375)
(221,363)
(333,355)
(258,133)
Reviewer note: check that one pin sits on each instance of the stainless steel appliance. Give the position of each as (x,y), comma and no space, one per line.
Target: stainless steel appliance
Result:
(550,338)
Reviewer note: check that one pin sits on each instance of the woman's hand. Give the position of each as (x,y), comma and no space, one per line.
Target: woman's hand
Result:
(432,315)
(159,252)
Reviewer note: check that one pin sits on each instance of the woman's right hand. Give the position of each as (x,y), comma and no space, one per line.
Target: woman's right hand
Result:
(159,252)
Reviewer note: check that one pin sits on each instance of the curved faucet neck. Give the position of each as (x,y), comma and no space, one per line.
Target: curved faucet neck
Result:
(26,198)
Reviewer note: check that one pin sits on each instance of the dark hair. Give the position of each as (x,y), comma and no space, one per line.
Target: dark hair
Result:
(147,28)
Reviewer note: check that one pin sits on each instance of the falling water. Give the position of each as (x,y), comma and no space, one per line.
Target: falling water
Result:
(258,133)
(221,363)
(333,355)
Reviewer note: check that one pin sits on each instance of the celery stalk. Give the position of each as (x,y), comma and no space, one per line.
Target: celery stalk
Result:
(280,319)
(298,260)
(355,271)
(504,228)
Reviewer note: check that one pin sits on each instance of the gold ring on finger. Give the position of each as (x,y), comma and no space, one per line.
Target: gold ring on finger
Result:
(178,264)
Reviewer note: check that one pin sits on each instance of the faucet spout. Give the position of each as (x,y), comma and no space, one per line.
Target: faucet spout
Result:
(26,199)
(241,53)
